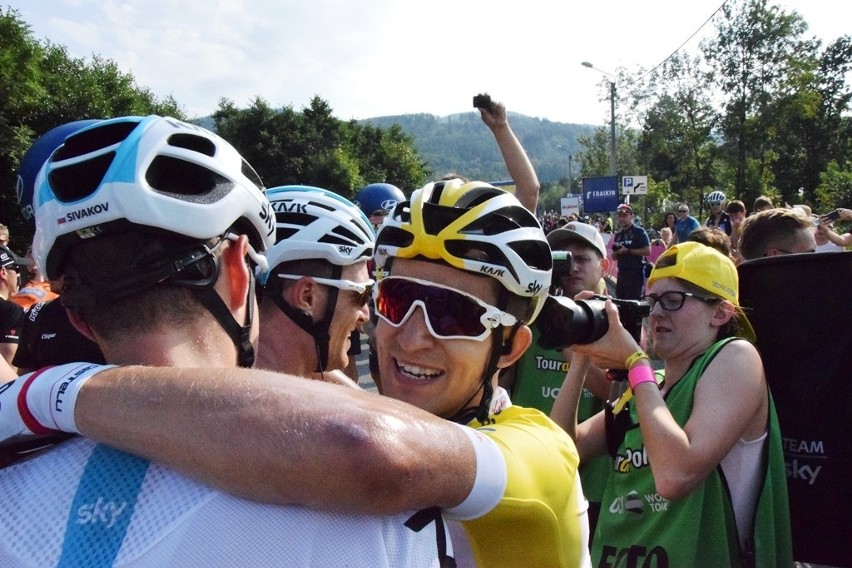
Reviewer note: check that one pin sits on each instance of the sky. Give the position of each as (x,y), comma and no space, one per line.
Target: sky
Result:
(370,58)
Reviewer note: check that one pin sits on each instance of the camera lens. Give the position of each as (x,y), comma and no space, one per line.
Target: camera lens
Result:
(564,322)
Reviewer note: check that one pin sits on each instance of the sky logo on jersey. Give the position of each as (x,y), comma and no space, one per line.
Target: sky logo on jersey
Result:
(101,511)
(96,209)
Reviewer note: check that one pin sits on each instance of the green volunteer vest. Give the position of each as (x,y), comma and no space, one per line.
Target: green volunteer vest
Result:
(638,527)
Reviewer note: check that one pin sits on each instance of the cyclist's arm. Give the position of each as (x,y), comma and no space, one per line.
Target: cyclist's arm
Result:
(282,439)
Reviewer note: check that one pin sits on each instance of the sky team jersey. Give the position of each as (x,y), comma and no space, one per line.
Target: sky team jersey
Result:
(541,520)
(83,504)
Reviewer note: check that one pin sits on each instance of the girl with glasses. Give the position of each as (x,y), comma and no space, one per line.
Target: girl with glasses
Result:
(697,468)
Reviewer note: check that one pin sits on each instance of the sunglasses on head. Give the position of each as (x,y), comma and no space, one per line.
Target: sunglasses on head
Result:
(363,290)
(449,313)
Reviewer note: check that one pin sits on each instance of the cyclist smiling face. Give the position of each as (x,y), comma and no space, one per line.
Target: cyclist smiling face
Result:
(439,374)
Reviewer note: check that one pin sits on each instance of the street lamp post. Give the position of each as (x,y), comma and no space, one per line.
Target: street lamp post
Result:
(612,161)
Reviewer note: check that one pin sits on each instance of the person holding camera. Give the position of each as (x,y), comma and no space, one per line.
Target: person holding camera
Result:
(630,247)
(697,470)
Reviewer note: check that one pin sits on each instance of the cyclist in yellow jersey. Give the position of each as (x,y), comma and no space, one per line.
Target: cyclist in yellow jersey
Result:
(478,267)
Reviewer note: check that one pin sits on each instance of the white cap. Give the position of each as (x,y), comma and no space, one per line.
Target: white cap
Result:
(577,232)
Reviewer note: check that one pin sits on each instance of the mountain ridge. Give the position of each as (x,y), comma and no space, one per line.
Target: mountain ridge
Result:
(462,144)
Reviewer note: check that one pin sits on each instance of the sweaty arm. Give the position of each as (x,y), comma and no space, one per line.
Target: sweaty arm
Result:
(517,162)
(283,439)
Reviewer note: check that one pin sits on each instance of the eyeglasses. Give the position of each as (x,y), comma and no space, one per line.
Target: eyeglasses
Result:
(363,290)
(715,204)
(673,300)
(622,213)
(449,313)
(683,211)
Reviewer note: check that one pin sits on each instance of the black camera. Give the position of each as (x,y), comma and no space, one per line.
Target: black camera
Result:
(564,322)
(563,265)
(482,100)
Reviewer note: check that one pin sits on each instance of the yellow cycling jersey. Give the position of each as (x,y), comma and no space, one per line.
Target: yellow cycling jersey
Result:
(542,518)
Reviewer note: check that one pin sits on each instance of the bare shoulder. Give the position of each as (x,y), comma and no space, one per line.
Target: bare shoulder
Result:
(734,385)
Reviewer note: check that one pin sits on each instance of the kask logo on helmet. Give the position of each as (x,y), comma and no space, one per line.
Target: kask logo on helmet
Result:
(96,209)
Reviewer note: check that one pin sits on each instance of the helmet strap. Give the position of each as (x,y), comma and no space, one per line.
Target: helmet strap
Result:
(239,334)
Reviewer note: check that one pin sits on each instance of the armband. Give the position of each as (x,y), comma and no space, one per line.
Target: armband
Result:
(49,397)
(635,357)
(491,478)
(640,374)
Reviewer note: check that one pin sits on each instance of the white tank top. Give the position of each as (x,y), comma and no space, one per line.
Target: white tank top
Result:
(742,468)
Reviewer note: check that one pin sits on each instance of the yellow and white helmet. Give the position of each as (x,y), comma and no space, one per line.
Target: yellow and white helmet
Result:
(477,228)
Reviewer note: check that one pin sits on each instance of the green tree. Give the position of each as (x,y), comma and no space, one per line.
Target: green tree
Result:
(312,147)
(676,143)
(757,48)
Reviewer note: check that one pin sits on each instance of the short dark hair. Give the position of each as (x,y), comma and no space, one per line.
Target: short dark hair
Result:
(774,227)
(713,238)
(761,202)
(115,257)
(735,206)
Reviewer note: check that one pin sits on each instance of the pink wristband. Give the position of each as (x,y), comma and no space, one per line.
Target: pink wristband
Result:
(640,374)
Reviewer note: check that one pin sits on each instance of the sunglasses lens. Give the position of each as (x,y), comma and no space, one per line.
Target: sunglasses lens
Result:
(449,313)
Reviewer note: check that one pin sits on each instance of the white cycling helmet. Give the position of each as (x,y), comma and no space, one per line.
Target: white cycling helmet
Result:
(716,197)
(152,172)
(313,223)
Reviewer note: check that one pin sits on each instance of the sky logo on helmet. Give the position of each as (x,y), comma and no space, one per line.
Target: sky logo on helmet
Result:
(266,217)
(96,209)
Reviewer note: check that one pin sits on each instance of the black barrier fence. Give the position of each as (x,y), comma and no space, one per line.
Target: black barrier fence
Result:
(799,306)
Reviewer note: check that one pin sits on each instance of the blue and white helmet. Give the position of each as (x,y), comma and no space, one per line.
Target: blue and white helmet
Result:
(313,223)
(153,172)
(715,197)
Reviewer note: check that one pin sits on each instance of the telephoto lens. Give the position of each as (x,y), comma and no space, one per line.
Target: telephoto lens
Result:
(564,322)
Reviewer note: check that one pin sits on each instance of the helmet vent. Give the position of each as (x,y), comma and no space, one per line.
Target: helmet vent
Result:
(171,175)
(80,180)
(536,254)
(346,236)
(393,237)
(93,139)
(194,143)
(436,217)
(252,175)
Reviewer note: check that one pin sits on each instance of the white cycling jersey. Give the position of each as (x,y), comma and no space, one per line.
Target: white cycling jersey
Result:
(83,504)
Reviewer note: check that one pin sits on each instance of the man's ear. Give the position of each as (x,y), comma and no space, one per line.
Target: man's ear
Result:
(80,324)
(303,294)
(236,269)
(513,351)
